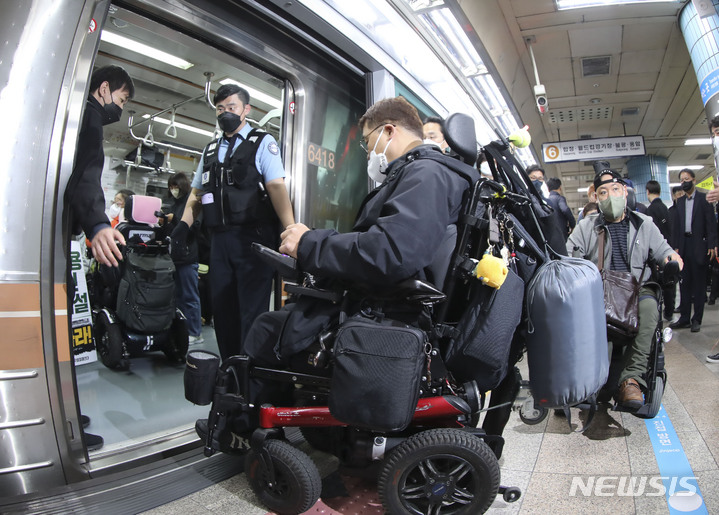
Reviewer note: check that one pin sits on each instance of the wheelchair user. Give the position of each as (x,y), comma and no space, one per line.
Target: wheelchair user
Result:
(398,233)
(631,240)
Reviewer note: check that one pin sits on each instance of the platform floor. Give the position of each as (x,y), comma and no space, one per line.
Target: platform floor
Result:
(543,460)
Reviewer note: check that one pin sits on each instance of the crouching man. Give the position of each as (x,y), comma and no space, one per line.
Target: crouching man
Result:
(631,238)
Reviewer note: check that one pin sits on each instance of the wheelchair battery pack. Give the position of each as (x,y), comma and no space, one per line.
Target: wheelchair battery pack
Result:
(376,379)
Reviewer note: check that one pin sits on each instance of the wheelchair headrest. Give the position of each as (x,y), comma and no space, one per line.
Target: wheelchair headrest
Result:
(140,209)
(461,137)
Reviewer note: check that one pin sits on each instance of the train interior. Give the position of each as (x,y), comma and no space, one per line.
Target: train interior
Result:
(163,132)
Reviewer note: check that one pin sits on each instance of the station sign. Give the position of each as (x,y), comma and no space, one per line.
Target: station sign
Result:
(592,149)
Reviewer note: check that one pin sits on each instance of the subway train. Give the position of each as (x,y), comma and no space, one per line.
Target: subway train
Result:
(310,75)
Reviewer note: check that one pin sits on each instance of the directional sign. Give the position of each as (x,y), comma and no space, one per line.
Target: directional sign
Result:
(590,149)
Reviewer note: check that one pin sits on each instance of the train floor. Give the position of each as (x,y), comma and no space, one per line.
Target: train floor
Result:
(620,464)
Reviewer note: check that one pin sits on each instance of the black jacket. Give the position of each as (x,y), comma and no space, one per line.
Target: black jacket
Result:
(660,214)
(399,228)
(177,208)
(397,233)
(564,214)
(84,198)
(703,230)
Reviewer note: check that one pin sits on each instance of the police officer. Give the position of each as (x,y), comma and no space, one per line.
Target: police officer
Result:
(242,193)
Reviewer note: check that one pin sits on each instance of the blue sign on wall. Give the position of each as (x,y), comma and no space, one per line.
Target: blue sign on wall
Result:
(710,86)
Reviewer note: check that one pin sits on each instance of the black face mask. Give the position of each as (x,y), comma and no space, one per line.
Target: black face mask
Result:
(687,186)
(229,122)
(113,112)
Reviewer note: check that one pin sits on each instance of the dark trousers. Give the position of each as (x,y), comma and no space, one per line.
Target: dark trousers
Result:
(187,295)
(240,283)
(693,287)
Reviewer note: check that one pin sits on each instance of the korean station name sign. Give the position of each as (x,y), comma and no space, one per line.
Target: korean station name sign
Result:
(592,149)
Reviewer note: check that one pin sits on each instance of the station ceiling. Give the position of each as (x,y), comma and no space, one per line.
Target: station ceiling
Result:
(643,82)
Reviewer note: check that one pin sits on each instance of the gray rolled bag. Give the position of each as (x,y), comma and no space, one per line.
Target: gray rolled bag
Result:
(567,347)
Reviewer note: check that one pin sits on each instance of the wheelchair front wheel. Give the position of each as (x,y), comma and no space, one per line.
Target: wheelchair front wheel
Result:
(656,401)
(296,484)
(439,471)
(108,338)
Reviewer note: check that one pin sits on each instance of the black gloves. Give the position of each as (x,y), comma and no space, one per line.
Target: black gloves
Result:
(178,241)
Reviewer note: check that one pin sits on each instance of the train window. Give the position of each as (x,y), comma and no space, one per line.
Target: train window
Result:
(423,109)
(337,181)
(139,399)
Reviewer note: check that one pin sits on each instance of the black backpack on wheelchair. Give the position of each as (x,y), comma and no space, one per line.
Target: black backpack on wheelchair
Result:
(134,304)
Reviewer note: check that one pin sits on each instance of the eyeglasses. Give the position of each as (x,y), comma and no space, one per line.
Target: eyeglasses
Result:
(365,139)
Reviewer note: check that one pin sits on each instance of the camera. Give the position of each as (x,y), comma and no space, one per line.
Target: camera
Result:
(540,96)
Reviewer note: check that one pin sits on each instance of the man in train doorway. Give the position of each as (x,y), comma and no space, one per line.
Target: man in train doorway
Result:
(240,186)
(110,89)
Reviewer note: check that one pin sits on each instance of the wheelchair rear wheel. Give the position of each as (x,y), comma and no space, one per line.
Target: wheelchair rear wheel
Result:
(108,338)
(296,485)
(440,471)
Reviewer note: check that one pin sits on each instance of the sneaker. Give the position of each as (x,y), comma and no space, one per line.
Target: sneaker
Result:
(696,326)
(227,441)
(193,340)
(714,358)
(94,442)
(630,394)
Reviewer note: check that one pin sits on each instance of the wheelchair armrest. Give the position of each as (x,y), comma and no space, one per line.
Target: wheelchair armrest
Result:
(410,290)
(285,265)
(317,293)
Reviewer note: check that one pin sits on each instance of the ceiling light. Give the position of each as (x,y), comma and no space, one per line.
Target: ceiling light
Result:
(254,94)
(698,141)
(583,190)
(165,121)
(143,49)
(576,4)
(690,167)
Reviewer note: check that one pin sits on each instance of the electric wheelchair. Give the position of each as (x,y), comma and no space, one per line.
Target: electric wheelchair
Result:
(134,304)
(435,461)
(656,376)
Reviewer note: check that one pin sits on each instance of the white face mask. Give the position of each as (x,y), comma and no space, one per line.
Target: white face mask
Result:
(114,211)
(428,141)
(175,192)
(377,164)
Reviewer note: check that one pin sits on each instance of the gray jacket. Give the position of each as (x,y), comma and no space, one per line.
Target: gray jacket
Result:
(644,242)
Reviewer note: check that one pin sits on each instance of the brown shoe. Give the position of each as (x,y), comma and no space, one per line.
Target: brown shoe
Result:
(630,394)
